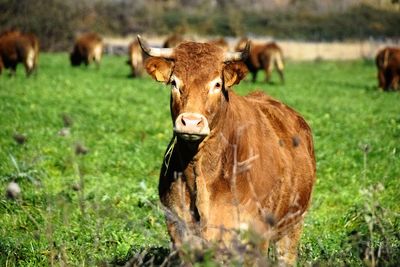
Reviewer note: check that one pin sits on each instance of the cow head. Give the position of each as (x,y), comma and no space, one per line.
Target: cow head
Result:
(75,58)
(200,76)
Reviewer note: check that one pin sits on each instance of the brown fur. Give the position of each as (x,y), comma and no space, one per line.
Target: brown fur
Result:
(17,47)
(263,57)
(87,48)
(255,168)
(388,64)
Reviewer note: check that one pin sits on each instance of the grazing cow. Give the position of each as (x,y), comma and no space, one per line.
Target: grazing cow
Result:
(17,47)
(135,59)
(87,48)
(263,57)
(388,64)
(233,161)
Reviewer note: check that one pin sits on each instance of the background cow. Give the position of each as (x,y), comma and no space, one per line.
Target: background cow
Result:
(263,57)
(135,60)
(221,42)
(388,63)
(87,48)
(17,47)
(232,161)
(173,40)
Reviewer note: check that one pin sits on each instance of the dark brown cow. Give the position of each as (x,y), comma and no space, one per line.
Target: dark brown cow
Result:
(135,59)
(263,57)
(388,64)
(87,48)
(233,161)
(17,47)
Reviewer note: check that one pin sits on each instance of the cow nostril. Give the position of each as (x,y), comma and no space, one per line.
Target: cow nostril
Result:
(183,121)
(200,123)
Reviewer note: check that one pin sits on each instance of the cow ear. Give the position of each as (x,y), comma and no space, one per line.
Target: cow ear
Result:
(159,68)
(234,72)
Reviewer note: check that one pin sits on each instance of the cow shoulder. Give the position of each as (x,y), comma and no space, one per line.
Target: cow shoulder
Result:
(287,123)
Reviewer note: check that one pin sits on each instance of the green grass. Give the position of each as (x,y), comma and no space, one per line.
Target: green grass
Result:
(126,126)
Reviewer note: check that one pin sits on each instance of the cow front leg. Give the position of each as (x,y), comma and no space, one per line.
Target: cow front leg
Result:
(181,221)
(287,246)
(177,231)
(254,76)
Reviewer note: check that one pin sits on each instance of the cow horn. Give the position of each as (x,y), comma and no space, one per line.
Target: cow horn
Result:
(154,52)
(236,56)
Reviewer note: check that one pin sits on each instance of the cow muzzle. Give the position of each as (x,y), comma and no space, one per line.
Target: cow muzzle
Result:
(191,126)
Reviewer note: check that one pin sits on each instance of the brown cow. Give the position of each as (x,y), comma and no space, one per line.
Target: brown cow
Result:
(87,48)
(17,47)
(233,161)
(388,63)
(263,57)
(136,57)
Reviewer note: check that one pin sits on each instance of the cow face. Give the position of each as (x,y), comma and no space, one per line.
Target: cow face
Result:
(199,77)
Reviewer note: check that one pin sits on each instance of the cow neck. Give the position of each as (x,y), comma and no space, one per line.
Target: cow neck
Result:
(232,120)
(188,150)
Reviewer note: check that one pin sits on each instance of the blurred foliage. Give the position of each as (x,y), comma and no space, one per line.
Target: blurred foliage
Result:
(57,21)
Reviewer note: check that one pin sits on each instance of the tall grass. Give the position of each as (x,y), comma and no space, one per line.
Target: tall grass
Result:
(89,185)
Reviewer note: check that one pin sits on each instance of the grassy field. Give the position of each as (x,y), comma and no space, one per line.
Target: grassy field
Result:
(101,207)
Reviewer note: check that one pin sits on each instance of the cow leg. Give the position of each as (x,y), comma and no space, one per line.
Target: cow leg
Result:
(381,80)
(97,62)
(180,221)
(176,230)
(388,80)
(86,61)
(281,76)
(287,246)
(13,70)
(254,76)
(279,68)
(28,69)
(268,67)
(395,82)
(268,73)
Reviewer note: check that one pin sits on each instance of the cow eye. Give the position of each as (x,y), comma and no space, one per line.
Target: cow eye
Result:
(175,86)
(216,87)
